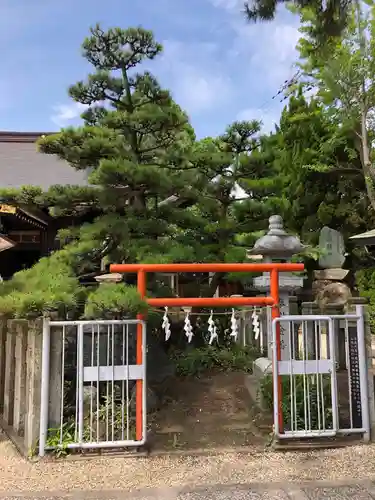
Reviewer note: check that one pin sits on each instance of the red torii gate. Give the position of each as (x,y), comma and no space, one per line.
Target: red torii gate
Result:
(271,300)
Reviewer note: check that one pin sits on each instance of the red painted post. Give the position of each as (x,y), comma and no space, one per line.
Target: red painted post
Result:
(273,299)
(207,268)
(274,290)
(141,285)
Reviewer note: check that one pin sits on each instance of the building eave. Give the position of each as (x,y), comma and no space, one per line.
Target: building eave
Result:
(22,137)
(367,238)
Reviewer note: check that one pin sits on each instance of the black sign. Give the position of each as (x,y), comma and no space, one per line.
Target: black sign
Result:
(354,379)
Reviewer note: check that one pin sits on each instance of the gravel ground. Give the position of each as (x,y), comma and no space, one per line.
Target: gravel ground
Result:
(17,474)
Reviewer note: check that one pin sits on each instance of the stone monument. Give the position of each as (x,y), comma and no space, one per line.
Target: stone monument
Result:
(332,243)
(277,245)
(328,286)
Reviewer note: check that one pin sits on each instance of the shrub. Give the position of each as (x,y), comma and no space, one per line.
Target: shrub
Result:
(52,285)
(48,286)
(317,409)
(366,285)
(112,300)
(196,362)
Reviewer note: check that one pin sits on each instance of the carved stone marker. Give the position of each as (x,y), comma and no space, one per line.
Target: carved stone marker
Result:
(332,243)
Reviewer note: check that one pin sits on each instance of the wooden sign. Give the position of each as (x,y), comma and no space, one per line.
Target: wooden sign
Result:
(6,243)
(7,209)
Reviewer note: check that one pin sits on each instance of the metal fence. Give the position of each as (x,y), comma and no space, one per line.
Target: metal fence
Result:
(320,382)
(89,376)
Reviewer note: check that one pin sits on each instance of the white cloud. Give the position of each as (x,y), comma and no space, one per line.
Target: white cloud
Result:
(269,118)
(65,114)
(229,5)
(267,48)
(195,75)
(199,91)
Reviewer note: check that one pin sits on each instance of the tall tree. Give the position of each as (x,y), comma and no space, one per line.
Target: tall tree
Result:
(135,145)
(344,82)
(321,171)
(240,193)
(331,15)
(139,151)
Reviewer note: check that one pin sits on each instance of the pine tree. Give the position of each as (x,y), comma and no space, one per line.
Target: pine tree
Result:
(139,152)
(135,145)
(241,193)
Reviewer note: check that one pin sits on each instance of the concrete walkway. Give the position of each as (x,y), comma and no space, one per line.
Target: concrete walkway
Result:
(278,491)
(346,473)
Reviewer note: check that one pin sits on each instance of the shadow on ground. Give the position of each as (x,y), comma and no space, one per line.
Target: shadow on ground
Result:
(210,412)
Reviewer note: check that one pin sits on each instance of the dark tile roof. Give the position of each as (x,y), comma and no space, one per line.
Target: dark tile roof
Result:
(22,165)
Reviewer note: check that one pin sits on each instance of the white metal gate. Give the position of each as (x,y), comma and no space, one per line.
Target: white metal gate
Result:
(320,382)
(88,387)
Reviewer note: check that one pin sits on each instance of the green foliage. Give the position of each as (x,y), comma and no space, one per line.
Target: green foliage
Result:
(365,279)
(302,388)
(48,286)
(111,411)
(114,301)
(60,438)
(306,139)
(331,16)
(134,146)
(197,362)
(225,226)
(26,195)
(343,79)
(139,152)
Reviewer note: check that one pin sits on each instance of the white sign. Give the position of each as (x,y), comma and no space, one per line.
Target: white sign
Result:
(332,244)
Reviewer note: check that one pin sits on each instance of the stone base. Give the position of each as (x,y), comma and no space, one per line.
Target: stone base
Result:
(261,367)
(334,274)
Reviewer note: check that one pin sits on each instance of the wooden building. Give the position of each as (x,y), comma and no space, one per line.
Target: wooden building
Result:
(28,233)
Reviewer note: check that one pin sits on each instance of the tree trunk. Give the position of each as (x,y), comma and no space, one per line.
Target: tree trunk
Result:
(363,136)
(366,162)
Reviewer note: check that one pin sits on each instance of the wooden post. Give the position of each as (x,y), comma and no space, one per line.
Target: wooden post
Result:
(20,331)
(55,379)
(34,378)
(10,348)
(3,337)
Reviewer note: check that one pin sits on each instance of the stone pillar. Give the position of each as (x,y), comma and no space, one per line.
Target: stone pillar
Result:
(339,332)
(288,283)
(55,378)
(370,372)
(3,337)
(34,378)
(308,308)
(10,366)
(287,336)
(20,328)
(330,290)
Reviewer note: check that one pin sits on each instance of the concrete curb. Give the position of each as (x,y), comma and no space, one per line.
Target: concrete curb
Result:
(296,491)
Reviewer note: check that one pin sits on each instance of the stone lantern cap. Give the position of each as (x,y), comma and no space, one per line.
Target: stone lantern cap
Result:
(277,242)
(109,278)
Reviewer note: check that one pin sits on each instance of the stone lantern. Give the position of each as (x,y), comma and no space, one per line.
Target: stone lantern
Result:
(278,246)
(108,278)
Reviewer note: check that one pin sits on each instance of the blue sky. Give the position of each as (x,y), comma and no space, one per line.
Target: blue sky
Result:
(218,67)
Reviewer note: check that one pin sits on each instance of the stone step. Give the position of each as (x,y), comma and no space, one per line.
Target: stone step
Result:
(193,427)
